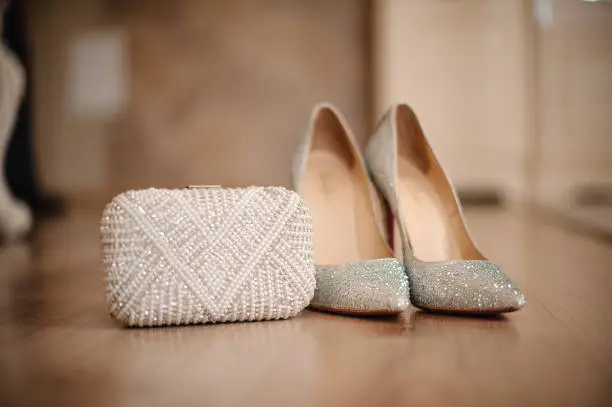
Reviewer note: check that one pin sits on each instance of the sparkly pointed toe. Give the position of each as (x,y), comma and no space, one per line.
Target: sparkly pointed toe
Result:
(374,287)
(356,272)
(445,269)
(468,286)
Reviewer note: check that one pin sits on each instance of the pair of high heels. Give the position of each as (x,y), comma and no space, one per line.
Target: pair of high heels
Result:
(441,269)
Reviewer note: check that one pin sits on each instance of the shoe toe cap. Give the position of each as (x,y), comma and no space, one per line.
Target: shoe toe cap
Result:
(469,286)
(369,287)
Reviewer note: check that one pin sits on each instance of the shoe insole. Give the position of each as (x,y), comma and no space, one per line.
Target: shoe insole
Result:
(344,225)
(424,215)
(428,206)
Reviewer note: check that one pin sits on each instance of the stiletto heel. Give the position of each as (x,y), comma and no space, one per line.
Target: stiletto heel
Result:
(356,272)
(446,271)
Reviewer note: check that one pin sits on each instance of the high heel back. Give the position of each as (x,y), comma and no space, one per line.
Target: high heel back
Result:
(335,183)
(430,208)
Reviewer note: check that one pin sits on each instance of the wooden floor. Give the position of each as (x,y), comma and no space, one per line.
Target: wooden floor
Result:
(59,347)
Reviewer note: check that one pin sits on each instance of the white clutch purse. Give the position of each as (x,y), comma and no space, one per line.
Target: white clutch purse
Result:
(207,254)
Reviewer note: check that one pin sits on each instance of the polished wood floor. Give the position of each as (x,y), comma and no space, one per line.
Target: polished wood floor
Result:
(59,347)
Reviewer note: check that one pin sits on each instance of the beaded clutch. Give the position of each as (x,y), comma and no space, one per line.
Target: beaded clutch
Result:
(207,254)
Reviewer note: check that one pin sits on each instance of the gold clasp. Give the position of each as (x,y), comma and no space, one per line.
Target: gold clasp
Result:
(202,186)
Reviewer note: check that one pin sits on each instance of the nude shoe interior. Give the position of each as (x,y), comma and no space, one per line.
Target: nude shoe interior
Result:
(335,186)
(428,206)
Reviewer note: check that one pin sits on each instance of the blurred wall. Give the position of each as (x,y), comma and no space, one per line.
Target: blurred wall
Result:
(574,72)
(462,65)
(514,95)
(131,94)
(195,92)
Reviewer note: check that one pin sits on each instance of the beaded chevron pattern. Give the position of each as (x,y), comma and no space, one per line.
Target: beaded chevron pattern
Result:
(175,257)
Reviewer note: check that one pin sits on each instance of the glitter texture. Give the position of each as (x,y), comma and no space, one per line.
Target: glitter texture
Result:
(176,257)
(470,286)
(375,286)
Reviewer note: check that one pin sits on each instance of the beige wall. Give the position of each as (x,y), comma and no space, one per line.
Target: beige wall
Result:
(218,92)
(71,152)
(575,99)
(510,98)
(462,66)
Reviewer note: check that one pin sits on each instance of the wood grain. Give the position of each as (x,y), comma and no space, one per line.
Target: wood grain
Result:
(59,347)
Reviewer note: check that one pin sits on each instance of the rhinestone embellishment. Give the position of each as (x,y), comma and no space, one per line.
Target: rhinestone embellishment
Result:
(198,255)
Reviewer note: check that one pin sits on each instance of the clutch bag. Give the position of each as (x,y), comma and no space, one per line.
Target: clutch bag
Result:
(207,254)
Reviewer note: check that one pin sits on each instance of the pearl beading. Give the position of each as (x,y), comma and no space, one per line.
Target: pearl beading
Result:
(176,257)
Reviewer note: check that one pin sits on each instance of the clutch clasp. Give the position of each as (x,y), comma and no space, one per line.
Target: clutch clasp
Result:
(202,186)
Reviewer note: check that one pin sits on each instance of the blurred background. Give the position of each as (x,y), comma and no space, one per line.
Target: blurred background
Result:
(515,95)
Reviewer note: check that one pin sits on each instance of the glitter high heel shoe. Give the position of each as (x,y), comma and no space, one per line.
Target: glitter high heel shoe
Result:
(446,270)
(356,272)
